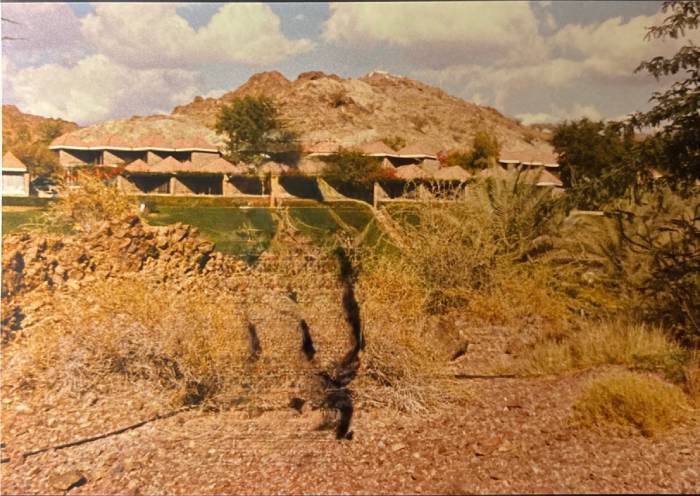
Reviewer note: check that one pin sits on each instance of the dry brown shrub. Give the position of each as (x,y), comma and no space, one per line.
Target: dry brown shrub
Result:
(85,204)
(192,347)
(607,343)
(478,252)
(403,364)
(628,400)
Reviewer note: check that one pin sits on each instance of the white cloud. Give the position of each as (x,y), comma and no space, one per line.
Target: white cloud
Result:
(454,29)
(613,48)
(42,28)
(155,35)
(558,114)
(215,93)
(590,58)
(96,88)
(494,85)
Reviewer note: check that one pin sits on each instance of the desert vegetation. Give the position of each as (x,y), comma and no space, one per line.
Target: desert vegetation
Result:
(482,154)
(631,400)
(512,322)
(252,129)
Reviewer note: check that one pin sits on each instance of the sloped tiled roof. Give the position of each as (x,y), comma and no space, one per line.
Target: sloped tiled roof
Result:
(430,165)
(546,178)
(529,157)
(138,166)
(418,150)
(220,166)
(116,141)
(509,156)
(453,173)
(196,142)
(411,172)
(540,177)
(154,141)
(378,148)
(170,165)
(386,164)
(69,140)
(9,161)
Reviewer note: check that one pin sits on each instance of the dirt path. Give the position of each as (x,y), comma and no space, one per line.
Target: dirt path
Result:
(511,435)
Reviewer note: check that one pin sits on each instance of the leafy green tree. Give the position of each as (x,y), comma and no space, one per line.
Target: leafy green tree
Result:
(676,110)
(587,149)
(462,158)
(39,159)
(48,131)
(253,129)
(352,165)
(483,154)
(394,142)
(598,161)
(485,150)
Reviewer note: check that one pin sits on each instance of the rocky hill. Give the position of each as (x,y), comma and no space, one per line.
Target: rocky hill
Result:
(19,129)
(137,128)
(322,107)
(379,105)
(28,137)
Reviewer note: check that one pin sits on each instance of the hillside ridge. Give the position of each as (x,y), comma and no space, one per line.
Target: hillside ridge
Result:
(378,105)
(354,111)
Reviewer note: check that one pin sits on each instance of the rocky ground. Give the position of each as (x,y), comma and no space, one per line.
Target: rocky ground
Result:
(510,435)
(496,435)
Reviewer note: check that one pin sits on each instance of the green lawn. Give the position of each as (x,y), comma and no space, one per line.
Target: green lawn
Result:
(248,231)
(14,217)
(240,230)
(322,223)
(234,230)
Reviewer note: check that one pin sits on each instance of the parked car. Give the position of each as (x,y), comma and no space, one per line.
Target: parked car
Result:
(45,188)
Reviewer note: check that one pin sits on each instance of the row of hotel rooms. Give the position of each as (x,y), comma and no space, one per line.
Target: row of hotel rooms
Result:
(195,167)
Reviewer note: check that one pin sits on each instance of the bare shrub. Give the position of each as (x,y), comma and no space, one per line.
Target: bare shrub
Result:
(401,360)
(85,204)
(629,400)
(188,345)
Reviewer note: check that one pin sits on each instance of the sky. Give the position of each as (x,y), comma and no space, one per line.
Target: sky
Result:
(537,61)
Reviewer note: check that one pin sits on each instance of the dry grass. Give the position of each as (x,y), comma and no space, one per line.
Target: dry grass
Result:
(193,348)
(692,378)
(607,343)
(402,361)
(479,254)
(629,400)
